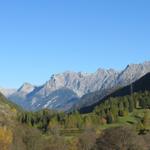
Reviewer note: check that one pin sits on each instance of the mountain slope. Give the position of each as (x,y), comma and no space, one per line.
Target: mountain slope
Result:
(140,85)
(76,85)
(130,74)
(55,100)
(8,111)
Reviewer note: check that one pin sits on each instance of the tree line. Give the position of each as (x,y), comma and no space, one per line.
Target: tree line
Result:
(106,113)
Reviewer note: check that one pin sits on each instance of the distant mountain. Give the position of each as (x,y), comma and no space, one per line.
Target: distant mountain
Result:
(130,74)
(26,88)
(133,72)
(64,90)
(20,96)
(7,92)
(57,99)
(141,85)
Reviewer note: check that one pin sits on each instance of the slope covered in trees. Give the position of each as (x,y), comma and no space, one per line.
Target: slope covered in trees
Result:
(131,111)
(128,113)
(104,127)
(14,135)
(46,130)
(138,86)
(107,112)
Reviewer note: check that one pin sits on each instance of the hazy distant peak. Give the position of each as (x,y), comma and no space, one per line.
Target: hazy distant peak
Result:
(26,88)
(83,74)
(106,71)
(7,92)
(146,63)
(100,70)
(112,71)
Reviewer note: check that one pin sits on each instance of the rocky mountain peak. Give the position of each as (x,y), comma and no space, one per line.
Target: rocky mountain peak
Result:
(100,70)
(7,92)
(26,88)
(77,85)
(112,71)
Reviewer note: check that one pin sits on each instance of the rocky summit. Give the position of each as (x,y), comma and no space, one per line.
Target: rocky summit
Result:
(64,90)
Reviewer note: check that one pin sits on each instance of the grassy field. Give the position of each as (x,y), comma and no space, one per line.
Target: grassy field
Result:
(131,119)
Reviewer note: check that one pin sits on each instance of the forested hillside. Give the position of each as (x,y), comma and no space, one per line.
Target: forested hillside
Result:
(126,113)
(120,121)
(138,86)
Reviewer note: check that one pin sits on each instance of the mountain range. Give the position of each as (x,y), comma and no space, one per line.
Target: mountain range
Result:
(140,85)
(66,90)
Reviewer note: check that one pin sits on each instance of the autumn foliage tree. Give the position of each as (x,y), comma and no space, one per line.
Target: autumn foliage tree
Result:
(6,138)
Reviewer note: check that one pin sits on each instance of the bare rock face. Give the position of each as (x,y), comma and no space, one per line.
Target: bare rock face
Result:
(53,93)
(133,72)
(80,83)
(23,91)
(26,88)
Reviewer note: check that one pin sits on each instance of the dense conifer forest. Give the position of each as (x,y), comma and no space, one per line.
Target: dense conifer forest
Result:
(128,114)
(117,123)
(106,113)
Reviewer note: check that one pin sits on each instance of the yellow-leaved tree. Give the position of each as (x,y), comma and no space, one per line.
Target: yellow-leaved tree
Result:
(6,138)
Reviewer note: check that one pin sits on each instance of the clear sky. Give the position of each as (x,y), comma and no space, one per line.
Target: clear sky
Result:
(43,37)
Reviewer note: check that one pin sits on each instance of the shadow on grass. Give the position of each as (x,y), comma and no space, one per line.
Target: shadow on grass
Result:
(130,122)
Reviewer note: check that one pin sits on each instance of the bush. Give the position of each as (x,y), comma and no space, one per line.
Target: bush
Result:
(86,140)
(120,138)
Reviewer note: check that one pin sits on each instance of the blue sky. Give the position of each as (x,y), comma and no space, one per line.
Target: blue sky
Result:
(39,38)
